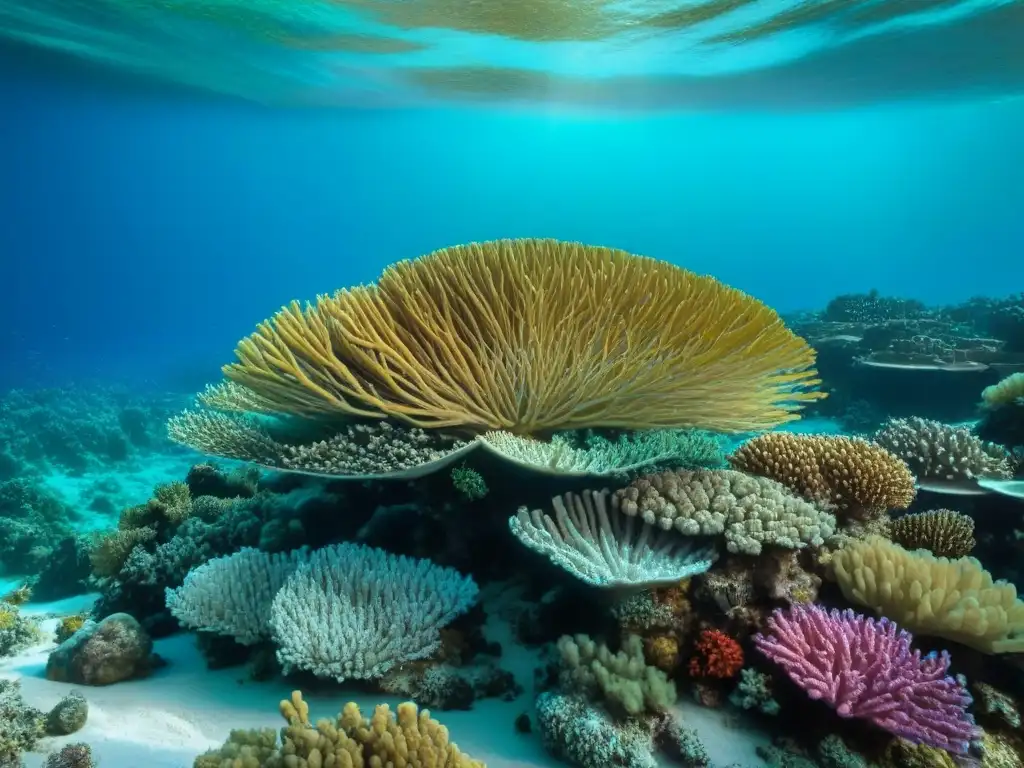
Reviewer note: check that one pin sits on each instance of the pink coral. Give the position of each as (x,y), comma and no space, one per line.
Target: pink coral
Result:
(865,669)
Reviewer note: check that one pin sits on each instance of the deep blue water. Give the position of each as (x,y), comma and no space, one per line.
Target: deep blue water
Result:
(144,231)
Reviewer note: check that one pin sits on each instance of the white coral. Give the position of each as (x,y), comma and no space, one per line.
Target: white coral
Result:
(355,612)
(232,595)
(606,548)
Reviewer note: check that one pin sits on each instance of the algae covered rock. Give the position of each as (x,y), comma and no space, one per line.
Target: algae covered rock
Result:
(115,649)
(68,716)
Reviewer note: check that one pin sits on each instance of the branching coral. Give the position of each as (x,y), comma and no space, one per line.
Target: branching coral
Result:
(854,476)
(532,335)
(406,737)
(751,512)
(624,680)
(866,669)
(942,532)
(954,599)
(353,611)
(603,547)
(941,454)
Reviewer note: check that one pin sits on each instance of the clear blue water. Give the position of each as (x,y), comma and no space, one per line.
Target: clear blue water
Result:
(175,171)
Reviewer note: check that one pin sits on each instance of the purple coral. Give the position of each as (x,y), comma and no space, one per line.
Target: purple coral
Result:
(866,669)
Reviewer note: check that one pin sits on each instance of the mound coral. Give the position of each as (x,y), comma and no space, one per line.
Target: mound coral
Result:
(854,476)
(865,669)
(528,336)
(751,512)
(954,599)
(942,532)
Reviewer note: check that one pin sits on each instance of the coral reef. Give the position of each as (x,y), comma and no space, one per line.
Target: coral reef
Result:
(942,532)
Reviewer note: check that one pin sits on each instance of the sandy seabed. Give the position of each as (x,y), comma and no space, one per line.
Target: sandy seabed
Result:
(183,709)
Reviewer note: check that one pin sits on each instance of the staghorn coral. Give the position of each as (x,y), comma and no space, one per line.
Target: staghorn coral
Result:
(941,454)
(716,655)
(954,599)
(848,474)
(406,737)
(942,532)
(751,512)
(623,680)
(606,548)
(532,335)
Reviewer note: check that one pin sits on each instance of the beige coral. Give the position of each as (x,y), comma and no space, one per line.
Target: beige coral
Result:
(624,679)
(408,738)
(954,599)
(856,477)
(1005,392)
(751,512)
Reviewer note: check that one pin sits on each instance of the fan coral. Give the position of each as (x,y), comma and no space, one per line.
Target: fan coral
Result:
(531,335)
(943,532)
(750,511)
(852,475)
(865,669)
(606,548)
(941,454)
(717,655)
(954,599)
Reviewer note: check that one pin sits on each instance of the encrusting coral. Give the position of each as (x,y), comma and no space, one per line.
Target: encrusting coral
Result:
(531,335)
(954,599)
(942,532)
(850,475)
(407,737)
(750,512)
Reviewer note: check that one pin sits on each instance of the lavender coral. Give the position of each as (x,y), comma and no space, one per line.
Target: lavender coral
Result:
(865,669)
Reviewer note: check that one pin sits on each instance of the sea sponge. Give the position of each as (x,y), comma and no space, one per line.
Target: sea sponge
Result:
(940,453)
(624,679)
(928,595)
(942,532)
(750,512)
(528,336)
(849,474)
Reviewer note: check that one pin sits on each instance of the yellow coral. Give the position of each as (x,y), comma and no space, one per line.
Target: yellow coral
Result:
(69,625)
(18,596)
(8,617)
(855,476)
(954,599)
(528,336)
